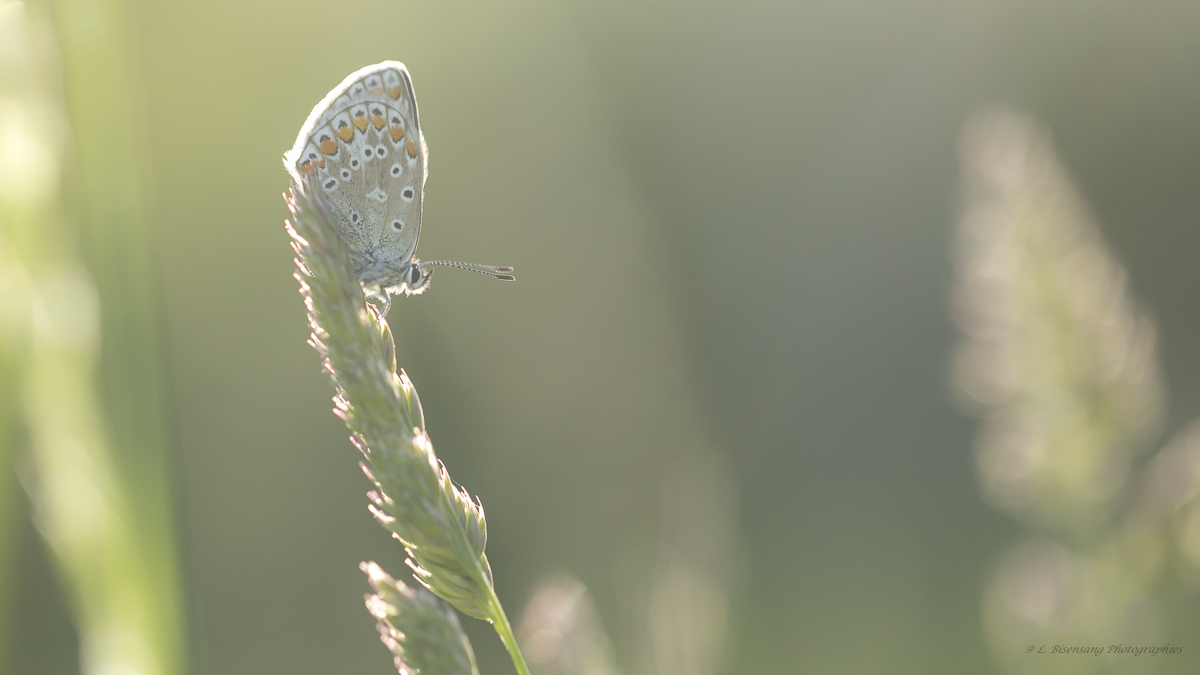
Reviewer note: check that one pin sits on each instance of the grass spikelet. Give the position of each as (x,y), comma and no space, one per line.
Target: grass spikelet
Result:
(418,628)
(442,528)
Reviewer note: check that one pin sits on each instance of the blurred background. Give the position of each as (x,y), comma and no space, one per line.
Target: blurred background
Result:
(811,366)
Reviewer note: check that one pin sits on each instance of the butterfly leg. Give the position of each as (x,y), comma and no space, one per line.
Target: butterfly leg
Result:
(387,304)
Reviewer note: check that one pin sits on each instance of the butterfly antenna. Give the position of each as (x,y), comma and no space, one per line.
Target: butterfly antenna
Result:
(489,270)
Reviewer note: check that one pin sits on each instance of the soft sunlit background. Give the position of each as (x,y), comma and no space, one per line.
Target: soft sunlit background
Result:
(752,405)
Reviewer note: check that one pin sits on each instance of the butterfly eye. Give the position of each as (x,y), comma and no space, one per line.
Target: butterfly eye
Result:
(398,225)
(414,275)
(407,195)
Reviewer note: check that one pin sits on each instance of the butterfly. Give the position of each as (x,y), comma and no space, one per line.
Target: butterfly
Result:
(362,150)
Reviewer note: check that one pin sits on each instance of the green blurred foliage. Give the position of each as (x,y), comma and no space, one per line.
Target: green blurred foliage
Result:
(85,427)
(730,225)
(1061,364)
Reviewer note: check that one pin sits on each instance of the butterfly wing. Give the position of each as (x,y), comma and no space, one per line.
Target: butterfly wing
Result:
(364,148)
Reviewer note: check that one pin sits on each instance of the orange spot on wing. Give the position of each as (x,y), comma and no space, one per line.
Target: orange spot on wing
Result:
(412,148)
(345,132)
(360,121)
(394,92)
(307,168)
(397,132)
(319,162)
(376,91)
(378,121)
(328,145)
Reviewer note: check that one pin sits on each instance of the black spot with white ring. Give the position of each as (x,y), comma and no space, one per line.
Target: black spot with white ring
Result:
(331,185)
(355,218)
(345,174)
(396,170)
(398,225)
(380,151)
(408,194)
(354,163)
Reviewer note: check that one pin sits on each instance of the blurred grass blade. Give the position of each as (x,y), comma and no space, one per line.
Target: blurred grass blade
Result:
(561,631)
(442,529)
(686,594)
(1056,357)
(98,479)
(690,596)
(1061,364)
(1163,522)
